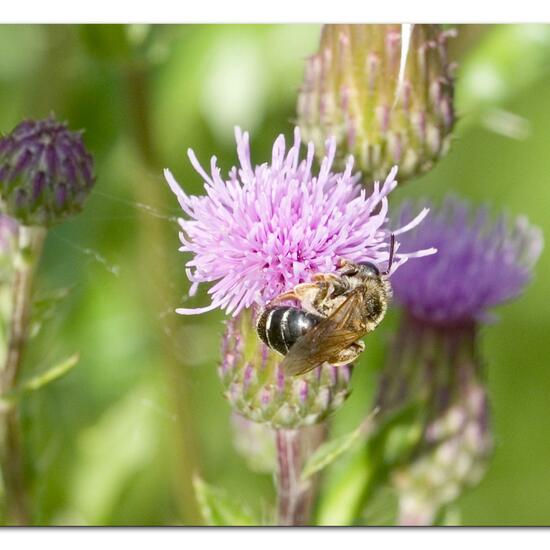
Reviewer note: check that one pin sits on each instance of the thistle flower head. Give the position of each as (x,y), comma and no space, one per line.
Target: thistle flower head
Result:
(269,227)
(46,173)
(481,262)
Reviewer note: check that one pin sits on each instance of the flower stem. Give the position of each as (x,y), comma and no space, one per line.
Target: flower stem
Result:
(296,496)
(31,240)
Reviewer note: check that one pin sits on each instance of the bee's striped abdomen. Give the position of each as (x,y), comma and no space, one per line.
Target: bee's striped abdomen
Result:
(280,327)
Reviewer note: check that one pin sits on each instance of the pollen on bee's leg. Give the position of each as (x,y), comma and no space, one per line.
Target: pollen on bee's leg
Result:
(309,295)
(326,277)
(285,297)
(304,288)
(348,355)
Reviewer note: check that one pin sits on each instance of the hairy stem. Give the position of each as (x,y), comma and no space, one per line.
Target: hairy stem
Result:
(291,494)
(296,496)
(31,240)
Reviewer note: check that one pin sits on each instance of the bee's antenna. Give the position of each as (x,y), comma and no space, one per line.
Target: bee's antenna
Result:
(390,257)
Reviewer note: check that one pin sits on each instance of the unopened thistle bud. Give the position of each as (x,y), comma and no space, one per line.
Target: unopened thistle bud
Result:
(435,358)
(46,173)
(385,101)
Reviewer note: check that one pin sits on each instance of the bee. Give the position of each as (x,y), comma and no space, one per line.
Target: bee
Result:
(336,311)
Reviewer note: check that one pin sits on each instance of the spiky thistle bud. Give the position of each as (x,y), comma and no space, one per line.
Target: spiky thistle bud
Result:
(46,173)
(385,102)
(435,360)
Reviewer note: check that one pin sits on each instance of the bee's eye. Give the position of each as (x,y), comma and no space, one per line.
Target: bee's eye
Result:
(349,270)
(369,269)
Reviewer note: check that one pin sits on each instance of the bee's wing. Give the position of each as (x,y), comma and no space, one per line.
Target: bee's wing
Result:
(324,342)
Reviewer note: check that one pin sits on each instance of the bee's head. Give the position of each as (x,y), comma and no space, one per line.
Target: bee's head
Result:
(366,270)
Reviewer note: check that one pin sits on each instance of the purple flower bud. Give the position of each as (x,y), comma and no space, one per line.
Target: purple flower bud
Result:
(46,172)
(38,185)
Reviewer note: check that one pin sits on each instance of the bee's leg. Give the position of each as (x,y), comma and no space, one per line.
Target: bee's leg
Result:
(305,293)
(320,300)
(337,285)
(325,277)
(311,294)
(285,297)
(348,355)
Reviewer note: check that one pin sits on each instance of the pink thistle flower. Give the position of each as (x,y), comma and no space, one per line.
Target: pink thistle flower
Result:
(269,227)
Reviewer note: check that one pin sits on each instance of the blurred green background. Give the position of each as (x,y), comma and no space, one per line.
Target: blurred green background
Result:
(114,441)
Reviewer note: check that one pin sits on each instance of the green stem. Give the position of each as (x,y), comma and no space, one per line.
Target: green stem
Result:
(31,240)
(155,261)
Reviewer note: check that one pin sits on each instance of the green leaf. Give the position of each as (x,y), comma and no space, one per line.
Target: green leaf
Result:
(343,498)
(345,486)
(398,434)
(53,373)
(331,450)
(219,509)
(39,381)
